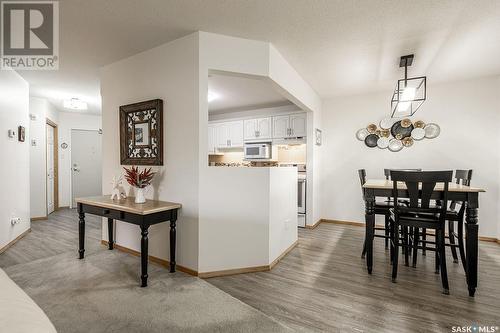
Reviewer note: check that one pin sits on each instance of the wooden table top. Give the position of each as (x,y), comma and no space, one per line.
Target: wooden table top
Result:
(128,204)
(385,184)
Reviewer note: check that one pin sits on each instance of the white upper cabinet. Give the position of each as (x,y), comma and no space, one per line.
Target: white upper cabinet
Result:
(229,134)
(236,134)
(212,139)
(281,126)
(250,129)
(288,126)
(264,128)
(298,124)
(255,129)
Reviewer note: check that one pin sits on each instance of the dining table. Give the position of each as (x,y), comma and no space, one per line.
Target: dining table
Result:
(468,195)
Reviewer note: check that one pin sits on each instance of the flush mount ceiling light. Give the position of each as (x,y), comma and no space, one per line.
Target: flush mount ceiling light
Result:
(75,104)
(212,96)
(410,93)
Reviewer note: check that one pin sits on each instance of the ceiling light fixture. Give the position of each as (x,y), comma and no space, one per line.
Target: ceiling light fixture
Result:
(75,104)
(212,96)
(410,93)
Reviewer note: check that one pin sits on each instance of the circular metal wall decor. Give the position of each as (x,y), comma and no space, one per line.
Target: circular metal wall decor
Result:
(403,132)
(432,130)
(395,134)
(371,140)
(383,142)
(361,134)
(395,145)
(371,128)
(418,133)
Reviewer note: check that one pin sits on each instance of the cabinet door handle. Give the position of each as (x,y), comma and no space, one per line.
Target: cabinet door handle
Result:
(291,130)
(229,144)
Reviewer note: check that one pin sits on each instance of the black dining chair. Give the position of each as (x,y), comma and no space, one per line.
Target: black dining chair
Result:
(420,214)
(381,208)
(455,216)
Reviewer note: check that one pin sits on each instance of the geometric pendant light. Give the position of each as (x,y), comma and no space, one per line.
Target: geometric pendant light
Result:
(410,93)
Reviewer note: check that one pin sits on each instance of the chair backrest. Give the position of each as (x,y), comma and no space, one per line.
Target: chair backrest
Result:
(387,172)
(362,180)
(461,177)
(420,186)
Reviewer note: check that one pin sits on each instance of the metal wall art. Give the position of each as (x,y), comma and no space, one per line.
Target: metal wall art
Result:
(396,133)
(141,134)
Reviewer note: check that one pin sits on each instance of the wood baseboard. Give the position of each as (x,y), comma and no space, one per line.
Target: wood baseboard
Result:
(265,268)
(39,218)
(361,224)
(159,261)
(3,249)
(281,256)
(313,225)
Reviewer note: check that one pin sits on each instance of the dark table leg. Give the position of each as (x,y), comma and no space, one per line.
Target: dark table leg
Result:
(173,221)
(370,227)
(111,241)
(471,245)
(144,255)
(81,231)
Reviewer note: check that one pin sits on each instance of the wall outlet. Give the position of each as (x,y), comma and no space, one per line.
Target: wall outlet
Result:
(15,220)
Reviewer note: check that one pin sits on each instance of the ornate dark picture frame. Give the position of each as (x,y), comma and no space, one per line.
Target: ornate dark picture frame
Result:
(141,133)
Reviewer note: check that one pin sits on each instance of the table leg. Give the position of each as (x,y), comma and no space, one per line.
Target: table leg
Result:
(111,241)
(471,245)
(81,231)
(370,227)
(144,255)
(172,240)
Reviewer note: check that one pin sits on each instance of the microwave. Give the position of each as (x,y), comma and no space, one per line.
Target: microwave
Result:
(257,151)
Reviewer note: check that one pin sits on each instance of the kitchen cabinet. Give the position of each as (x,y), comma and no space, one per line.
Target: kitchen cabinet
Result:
(289,126)
(229,134)
(259,128)
(212,139)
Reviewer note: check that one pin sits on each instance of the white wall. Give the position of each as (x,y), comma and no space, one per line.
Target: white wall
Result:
(15,192)
(38,158)
(169,72)
(67,122)
(468,113)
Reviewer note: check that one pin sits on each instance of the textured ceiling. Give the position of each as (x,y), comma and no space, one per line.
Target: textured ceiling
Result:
(339,47)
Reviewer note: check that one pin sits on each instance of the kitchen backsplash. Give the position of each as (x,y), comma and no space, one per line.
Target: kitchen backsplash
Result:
(286,154)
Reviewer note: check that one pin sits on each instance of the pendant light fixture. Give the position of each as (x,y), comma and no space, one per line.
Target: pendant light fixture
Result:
(410,93)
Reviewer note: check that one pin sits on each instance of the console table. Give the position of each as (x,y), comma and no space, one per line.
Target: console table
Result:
(126,210)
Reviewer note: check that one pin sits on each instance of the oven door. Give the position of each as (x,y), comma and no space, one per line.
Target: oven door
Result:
(301,196)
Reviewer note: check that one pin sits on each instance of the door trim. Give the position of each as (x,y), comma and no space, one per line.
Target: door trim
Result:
(56,166)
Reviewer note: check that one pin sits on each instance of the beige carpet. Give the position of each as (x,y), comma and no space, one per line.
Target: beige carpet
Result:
(101,294)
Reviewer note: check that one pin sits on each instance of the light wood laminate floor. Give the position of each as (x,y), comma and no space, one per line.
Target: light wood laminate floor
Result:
(323,285)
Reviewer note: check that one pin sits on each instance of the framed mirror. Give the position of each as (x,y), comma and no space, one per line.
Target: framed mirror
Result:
(141,133)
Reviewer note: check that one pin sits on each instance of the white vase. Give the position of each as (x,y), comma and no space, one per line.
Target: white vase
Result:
(139,195)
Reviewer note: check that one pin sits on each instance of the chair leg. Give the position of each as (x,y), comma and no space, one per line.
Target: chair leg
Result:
(396,253)
(461,247)
(386,231)
(436,249)
(364,250)
(442,261)
(424,238)
(451,237)
(391,234)
(415,246)
(407,246)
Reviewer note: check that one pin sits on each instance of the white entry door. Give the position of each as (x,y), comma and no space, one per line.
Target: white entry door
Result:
(50,168)
(86,164)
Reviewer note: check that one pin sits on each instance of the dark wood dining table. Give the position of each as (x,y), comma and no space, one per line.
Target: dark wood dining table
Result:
(456,192)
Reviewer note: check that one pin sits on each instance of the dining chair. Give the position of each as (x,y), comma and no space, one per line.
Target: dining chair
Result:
(381,208)
(455,216)
(419,214)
